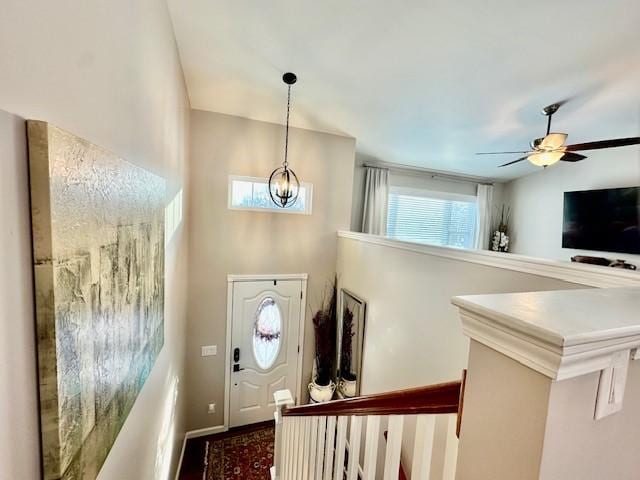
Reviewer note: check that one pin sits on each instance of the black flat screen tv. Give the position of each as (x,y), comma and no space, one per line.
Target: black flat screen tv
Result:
(602,220)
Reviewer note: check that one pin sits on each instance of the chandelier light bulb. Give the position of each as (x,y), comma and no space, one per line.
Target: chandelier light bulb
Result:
(284,187)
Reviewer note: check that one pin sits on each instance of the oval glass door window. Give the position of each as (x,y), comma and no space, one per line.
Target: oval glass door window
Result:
(267,333)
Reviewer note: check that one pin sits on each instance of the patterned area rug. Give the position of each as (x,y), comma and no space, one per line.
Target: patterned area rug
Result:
(245,456)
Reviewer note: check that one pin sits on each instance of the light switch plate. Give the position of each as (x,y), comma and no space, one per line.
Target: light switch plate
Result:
(209,350)
(613,380)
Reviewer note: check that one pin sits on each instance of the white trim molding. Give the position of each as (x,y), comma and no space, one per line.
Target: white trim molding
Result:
(195,434)
(278,276)
(181,458)
(579,273)
(203,432)
(560,334)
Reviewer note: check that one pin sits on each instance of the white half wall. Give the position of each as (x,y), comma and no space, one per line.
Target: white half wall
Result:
(413,335)
(536,200)
(108,72)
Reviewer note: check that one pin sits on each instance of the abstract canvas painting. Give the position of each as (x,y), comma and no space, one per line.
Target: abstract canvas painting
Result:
(98,243)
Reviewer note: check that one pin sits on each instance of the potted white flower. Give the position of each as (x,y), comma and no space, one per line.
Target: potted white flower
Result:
(500,236)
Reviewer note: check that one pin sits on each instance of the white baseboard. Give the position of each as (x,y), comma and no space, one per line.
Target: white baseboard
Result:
(195,434)
(205,431)
(184,444)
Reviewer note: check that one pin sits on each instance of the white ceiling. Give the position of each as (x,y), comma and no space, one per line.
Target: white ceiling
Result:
(424,83)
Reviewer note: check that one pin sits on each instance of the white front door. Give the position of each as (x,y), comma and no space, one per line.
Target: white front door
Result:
(265,322)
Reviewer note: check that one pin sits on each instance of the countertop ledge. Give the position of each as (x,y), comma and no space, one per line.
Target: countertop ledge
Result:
(562,333)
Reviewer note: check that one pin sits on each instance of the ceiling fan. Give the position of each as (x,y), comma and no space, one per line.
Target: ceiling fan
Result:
(550,149)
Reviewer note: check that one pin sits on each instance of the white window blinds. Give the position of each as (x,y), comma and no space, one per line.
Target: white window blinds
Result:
(430,217)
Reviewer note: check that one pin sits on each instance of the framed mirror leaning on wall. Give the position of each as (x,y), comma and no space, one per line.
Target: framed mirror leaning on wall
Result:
(351,323)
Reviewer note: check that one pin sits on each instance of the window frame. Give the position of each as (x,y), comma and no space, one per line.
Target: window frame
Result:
(242,178)
(274,358)
(437,195)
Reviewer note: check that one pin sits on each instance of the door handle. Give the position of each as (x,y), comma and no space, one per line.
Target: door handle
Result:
(236,367)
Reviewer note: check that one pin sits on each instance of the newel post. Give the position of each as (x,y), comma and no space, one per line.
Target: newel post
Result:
(553,385)
(283,399)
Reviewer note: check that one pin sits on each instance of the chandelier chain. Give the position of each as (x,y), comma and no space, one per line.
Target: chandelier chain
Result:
(286,135)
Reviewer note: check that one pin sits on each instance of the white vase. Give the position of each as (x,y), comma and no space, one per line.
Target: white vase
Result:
(321,393)
(348,387)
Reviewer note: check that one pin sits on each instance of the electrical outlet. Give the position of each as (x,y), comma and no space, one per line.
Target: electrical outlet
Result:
(212,408)
(208,350)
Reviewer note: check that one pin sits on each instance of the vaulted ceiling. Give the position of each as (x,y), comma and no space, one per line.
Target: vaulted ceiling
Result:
(420,82)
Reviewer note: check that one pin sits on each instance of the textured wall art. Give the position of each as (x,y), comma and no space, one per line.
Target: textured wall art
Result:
(98,241)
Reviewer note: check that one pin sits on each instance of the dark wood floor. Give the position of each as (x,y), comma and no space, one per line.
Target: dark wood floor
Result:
(193,459)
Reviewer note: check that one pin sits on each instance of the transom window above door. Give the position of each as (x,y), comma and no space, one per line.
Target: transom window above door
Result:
(252,193)
(434,218)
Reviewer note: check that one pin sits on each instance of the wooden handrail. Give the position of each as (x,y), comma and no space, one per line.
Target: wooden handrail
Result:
(440,398)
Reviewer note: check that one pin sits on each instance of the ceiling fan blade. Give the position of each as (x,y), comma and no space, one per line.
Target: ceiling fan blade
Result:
(553,108)
(515,161)
(572,157)
(499,153)
(614,142)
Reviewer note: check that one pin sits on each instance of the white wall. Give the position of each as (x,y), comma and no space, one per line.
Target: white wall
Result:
(426,182)
(577,446)
(537,200)
(512,399)
(357,203)
(543,429)
(18,375)
(109,72)
(224,241)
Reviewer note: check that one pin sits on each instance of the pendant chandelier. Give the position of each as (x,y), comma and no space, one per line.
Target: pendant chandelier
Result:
(284,186)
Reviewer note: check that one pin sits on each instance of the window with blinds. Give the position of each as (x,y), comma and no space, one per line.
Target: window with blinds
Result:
(430,217)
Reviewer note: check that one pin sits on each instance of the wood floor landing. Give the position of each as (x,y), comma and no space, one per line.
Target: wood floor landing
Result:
(241,453)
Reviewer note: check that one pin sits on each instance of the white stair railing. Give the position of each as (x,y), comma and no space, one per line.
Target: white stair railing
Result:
(283,399)
(352,446)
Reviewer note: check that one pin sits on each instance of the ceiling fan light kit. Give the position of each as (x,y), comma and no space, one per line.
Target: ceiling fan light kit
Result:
(553,141)
(544,159)
(551,148)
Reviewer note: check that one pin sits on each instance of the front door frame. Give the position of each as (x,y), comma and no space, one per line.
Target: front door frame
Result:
(231,280)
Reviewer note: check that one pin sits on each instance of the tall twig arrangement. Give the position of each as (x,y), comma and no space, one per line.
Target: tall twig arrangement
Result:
(346,352)
(324,322)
